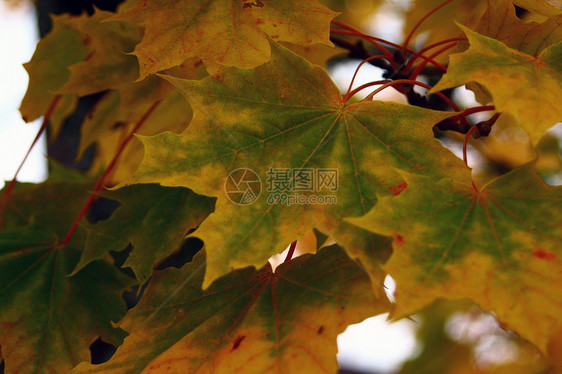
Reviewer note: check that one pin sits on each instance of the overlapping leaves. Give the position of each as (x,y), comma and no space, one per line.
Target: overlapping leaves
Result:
(499,246)
(45,78)
(247,321)
(152,218)
(48,320)
(108,66)
(521,84)
(501,23)
(179,29)
(287,114)
(115,115)
(93,53)
(57,315)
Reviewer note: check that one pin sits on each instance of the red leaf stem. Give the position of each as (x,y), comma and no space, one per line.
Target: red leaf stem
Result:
(411,34)
(12,183)
(419,68)
(99,184)
(347,94)
(291,251)
(431,46)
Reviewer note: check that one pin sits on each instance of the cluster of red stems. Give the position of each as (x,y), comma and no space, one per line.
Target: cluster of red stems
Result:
(401,73)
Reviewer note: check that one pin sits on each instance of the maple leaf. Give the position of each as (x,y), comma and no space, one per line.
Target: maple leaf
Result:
(501,23)
(248,320)
(178,29)
(500,246)
(152,218)
(288,114)
(521,84)
(108,66)
(48,320)
(46,77)
(57,316)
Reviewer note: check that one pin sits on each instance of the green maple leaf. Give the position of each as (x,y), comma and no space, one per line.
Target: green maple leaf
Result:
(48,320)
(232,33)
(153,219)
(500,246)
(247,321)
(521,84)
(47,76)
(288,114)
